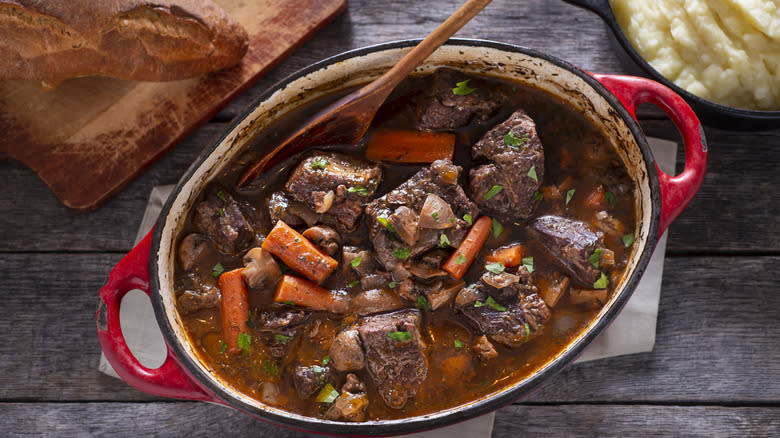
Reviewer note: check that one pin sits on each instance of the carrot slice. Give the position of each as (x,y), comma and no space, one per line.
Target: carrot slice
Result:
(467,252)
(511,255)
(299,253)
(410,146)
(596,200)
(299,292)
(234,308)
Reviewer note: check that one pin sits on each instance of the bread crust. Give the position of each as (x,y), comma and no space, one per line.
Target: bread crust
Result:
(159,40)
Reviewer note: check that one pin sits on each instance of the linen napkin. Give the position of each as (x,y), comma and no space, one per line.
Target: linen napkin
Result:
(632,331)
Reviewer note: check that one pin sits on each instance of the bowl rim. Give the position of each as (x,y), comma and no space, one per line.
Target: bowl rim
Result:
(464,411)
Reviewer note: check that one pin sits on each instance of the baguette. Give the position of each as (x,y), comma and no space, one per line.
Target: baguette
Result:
(154,40)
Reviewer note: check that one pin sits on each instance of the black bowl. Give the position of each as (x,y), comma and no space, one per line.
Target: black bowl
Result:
(710,113)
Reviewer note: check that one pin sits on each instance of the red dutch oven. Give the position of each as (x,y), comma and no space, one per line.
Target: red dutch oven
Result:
(609,101)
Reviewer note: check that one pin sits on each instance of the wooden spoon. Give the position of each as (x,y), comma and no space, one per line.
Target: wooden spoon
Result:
(346,120)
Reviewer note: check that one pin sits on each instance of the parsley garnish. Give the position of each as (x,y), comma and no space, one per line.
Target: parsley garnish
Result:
(385,223)
(444,241)
(282,338)
(462,88)
(496,267)
(221,211)
(244,342)
(222,347)
(360,190)
(494,305)
(478,303)
(595,257)
(458,343)
(400,336)
(435,216)
(601,283)
(221,195)
(493,192)
(328,394)
(532,173)
(496,228)
(217,270)
(527,331)
(460,259)
(628,239)
(269,368)
(422,303)
(353,283)
(356,261)
(392,285)
(538,195)
(610,197)
(319,163)
(325,360)
(402,253)
(467,217)
(317,369)
(569,195)
(514,140)
(528,262)
(289,303)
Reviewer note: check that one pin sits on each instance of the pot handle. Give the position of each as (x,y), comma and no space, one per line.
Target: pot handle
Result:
(676,191)
(132,272)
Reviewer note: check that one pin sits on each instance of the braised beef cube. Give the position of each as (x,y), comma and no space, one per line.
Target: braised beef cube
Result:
(395,354)
(506,186)
(510,324)
(335,184)
(373,301)
(279,319)
(219,217)
(348,407)
(308,380)
(193,250)
(289,211)
(442,108)
(570,243)
(190,301)
(484,349)
(353,384)
(392,251)
(347,351)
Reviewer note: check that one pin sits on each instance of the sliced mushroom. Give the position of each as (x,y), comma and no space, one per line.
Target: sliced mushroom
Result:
(376,301)
(404,222)
(423,270)
(260,269)
(500,280)
(323,200)
(444,294)
(468,295)
(485,349)
(436,214)
(325,238)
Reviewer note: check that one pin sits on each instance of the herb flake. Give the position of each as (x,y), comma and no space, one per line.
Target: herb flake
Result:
(269,368)
(217,270)
(467,217)
(462,88)
(569,195)
(495,267)
(610,197)
(402,253)
(319,163)
(595,258)
(400,336)
(602,282)
(532,173)
(385,223)
(423,303)
(360,190)
(538,195)
(496,228)
(244,342)
(328,394)
(460,259)
(444,241)
(493,192)
(325,360)
(493,304)
(353,283)
(435,216)
(222,347)
(392,285)
(288,302)
(458,343)
(628,239)
(528,263)
(221,195)
(356,261)
(282,338)
(527,330)
(514,140)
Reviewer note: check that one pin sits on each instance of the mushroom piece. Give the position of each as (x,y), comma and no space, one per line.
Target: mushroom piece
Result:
(260,269)
(192,248)
(404,222)
(325,238)
(436,214)
(501,280)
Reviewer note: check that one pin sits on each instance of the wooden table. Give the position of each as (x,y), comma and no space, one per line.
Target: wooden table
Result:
(715,370)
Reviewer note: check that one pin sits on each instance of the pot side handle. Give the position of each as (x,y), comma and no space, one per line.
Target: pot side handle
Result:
(676,191)
(132,272)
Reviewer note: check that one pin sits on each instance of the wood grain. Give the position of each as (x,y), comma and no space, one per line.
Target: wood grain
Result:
(90,136)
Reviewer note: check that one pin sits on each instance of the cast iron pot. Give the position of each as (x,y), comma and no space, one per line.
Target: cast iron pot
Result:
(608,100)
(712,114)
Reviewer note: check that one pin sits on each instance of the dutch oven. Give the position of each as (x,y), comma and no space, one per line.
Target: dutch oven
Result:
(609,101)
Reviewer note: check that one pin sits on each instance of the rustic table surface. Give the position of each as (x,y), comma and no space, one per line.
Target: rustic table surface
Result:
(715,369)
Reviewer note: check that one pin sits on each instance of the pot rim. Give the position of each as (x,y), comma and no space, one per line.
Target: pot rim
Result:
(464,411)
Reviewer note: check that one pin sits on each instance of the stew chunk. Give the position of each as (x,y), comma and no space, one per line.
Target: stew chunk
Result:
(219,217)
(570,242)
(455,99)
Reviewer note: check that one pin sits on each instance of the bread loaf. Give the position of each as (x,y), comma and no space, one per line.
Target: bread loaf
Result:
(155,40)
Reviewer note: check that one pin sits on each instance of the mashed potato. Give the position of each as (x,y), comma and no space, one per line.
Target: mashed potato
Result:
(726,51)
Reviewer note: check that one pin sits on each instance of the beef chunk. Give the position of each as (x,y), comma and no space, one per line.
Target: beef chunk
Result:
(194,249)
(443,109)
(518,322)
(375,301)
(412,194)
(336,184)
(219,217)
(397,366)
(509,168)
(348,407)
(569,242)
(191,301)
(280,319)
(347,351)
(308,380)
(289,211)
(484,349)
(353,384)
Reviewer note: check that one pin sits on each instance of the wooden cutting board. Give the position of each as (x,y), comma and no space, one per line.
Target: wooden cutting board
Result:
(91,136)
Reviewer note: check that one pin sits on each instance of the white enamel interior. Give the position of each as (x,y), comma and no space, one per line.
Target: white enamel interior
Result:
(355,71)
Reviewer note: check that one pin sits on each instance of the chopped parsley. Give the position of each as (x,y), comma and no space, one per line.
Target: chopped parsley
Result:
(319,163)
(288,302)
(328,394)
(221,195)
(460,259)
(569,195)
(494,305)
(628,239)
(478,303)
(538,195)
(527,331)
(217,270)
(462,88)
(444,241)
(435,216)
(385,223)
(402,253)
(244,342)
(496,267)
(602,282)
(317,369)
(423,303)
(356,261)
(297,240)
(221,211)
(400,336)
(222,347)
(595,258)
(496,228)
(467,217)
(392,285)
(269,368)
(532,173)
(610,197)
(458,343)
(512,139)
(493,192)
(360,190)
(282,338)
(528,262)
(325,360)
(353,283)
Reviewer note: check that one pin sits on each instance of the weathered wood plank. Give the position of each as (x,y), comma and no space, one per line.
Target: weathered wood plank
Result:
(717,336)
(200,419)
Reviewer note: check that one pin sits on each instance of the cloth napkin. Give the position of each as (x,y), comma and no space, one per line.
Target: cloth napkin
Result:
(632,331)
